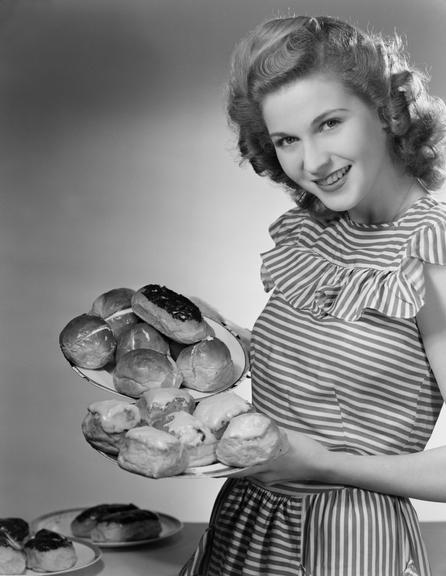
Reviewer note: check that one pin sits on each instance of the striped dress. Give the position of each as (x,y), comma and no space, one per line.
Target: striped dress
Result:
(336,354)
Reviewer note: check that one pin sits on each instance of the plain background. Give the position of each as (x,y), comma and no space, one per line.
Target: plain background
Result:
(118,169)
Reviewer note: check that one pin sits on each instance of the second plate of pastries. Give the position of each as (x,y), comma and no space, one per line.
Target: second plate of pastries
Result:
(114,525)
(167,433)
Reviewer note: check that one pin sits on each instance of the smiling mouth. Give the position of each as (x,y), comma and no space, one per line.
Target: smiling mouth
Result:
(334,177)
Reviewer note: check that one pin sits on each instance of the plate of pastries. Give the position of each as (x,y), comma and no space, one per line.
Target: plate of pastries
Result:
(130,341)
(111,525)
(25,550)
(168,433)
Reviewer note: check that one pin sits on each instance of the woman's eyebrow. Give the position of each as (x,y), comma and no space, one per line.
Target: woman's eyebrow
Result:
(319,118)
(324,115)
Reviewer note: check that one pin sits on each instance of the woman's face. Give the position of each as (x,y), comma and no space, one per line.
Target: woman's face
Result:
(330,143)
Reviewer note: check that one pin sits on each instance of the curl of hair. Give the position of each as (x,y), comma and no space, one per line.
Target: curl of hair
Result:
(374,68)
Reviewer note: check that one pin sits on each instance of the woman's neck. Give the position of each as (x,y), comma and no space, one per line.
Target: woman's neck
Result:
(394,199)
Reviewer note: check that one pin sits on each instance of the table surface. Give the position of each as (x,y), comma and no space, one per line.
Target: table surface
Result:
(167,557)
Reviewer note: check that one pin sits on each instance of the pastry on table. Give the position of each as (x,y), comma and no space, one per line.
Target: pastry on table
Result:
(216,411)
(153,453)
(124,526)
(156,404)
(17,529)
(144,369)
(12,557)
(250,439)
(206,366)
(199,442)
(106,423)
(48,551)
(84,522)
(172,314)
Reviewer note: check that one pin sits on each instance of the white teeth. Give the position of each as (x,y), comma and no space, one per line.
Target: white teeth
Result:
(334,177)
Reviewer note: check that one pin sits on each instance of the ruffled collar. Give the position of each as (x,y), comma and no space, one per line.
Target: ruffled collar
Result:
(339,269)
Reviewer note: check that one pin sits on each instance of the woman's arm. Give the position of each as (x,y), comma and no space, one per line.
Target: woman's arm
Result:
(421,475)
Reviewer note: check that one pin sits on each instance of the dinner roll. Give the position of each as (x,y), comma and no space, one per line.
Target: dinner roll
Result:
(106,423)
(156,404)
(153,453)
(140,370)
(250,439)
(170,313)
(141,335)
(206,366)
(115,307)
(216,411)
(197,439)
(88,342)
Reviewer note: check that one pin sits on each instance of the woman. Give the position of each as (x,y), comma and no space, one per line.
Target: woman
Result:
(347,356)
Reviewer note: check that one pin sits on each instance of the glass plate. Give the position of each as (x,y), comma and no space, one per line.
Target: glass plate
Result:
(87,554)
(104,378)
(60,521)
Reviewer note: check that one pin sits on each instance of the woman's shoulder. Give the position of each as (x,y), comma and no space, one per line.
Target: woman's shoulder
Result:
(428,209)
(290,225)
(427,222)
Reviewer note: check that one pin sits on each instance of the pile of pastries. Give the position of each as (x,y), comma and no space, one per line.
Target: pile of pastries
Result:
(159,348)
(166,431)
(149,338)
(45,551)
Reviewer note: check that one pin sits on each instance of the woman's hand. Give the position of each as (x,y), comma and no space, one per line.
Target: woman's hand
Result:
(418,475)
(303,461)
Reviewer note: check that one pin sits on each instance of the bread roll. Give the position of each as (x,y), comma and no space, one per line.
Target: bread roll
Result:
(143,369)
(198,441)
(84,522)
(88,342)
(170,313)
(206,366)
(153,453)
(216,411)
(141,335)
(12,557)
(250,439)
(115,307)
(48,551)
(125,526)
(156,404)
(106,423)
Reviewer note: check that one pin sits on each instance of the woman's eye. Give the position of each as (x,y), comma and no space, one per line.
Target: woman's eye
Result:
(285,141)
(330,124)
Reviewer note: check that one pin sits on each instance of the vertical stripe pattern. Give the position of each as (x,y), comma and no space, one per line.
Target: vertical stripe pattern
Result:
(337,355)
(345,532)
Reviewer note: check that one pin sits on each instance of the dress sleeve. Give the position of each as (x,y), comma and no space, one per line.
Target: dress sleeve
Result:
(429,243)
(284,230)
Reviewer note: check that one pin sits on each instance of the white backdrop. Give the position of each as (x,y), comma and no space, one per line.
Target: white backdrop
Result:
(118,169)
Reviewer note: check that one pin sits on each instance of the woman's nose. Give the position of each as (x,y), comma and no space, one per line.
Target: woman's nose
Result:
(314,159)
